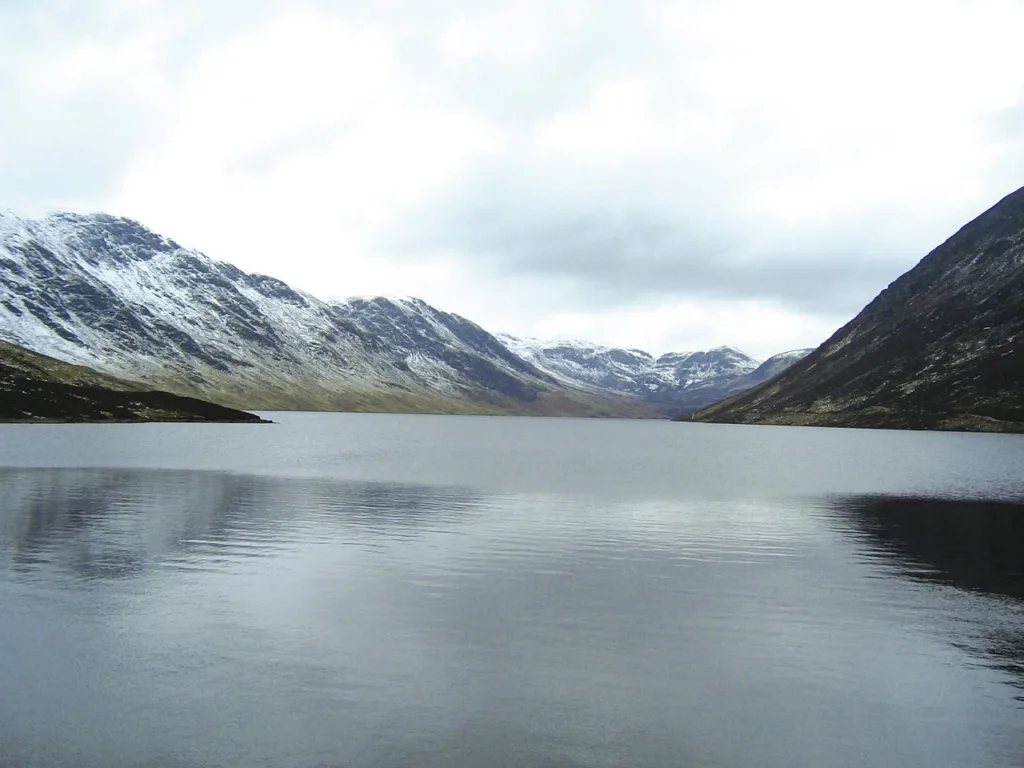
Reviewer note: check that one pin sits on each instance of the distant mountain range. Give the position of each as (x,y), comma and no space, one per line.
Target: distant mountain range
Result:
(679,381)
(941,348)
(106,292)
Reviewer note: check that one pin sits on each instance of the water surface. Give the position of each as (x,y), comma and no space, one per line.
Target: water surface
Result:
(367,590)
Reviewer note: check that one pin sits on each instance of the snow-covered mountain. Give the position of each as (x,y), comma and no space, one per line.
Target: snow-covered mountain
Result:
(680,381)
(439,347)
(106,292)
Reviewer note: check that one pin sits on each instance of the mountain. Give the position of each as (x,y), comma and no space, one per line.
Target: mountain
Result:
(940,348)
(106,292)
(439,347)
(34,387)
(679,381)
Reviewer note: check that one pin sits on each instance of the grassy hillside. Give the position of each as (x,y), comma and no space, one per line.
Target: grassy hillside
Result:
(37,388)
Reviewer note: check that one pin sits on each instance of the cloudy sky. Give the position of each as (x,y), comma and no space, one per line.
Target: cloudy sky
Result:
(662,174)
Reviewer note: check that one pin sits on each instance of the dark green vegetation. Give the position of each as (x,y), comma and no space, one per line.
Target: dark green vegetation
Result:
(940,348)
(37,388)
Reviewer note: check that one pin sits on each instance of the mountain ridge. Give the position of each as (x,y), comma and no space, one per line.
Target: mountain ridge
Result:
(107,292)
(939,348)
(684,381)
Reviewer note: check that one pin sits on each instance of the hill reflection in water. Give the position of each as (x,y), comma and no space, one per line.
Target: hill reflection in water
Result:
(972,545)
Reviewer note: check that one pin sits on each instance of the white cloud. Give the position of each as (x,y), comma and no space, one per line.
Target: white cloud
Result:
(661,174)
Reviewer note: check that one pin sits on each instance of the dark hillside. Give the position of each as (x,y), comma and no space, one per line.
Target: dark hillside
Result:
(34,387)
(940,348)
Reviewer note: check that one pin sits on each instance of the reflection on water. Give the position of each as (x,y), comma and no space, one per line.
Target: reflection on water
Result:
(109,524)
(967,544)
(188,618)
(977,545)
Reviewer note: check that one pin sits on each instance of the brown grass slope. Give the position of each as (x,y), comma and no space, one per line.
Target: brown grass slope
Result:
(940,348)
(299,394)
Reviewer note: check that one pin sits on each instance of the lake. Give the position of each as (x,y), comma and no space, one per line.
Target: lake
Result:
(387,590)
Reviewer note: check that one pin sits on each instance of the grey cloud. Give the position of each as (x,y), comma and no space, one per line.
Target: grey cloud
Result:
(622,239)
(664,225)
(632,258)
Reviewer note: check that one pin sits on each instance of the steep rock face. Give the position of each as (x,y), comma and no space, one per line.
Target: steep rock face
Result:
(34,387)
(940,348)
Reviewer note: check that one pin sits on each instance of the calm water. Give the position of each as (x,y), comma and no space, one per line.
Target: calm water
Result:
(364,590)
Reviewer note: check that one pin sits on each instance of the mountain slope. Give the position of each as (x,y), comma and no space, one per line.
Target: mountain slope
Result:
(437,346)
(940,348)
(34,387)
(774,366)
(108,293)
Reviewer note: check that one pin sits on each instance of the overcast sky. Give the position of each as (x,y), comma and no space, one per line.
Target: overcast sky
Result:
(661,174)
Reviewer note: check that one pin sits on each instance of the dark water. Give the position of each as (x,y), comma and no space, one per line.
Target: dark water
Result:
(349,590)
